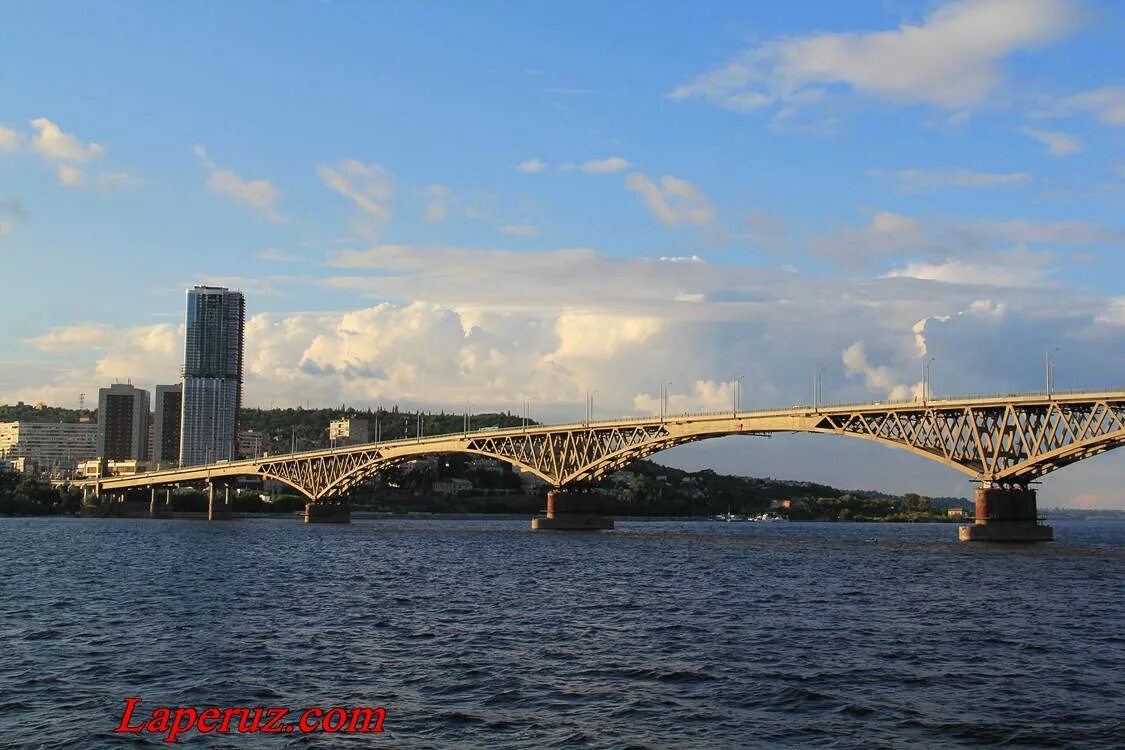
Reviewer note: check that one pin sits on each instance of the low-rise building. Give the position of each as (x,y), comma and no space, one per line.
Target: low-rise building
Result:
(250,443)
(348,431)
(453,486)
(50,445)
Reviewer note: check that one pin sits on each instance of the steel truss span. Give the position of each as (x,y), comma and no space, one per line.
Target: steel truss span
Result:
(999,440)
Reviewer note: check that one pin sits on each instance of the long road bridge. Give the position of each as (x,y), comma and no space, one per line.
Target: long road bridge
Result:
(1004,442)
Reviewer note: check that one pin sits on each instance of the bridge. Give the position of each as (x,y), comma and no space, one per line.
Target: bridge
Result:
(1003,442)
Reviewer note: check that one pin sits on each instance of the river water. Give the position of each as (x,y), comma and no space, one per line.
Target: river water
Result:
(483,634)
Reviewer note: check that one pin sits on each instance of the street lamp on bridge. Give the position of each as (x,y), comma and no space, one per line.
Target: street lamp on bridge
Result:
(927,367)
(1050,362)
(816,388)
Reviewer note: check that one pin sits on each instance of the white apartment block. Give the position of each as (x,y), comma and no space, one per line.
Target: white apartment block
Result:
(49,444)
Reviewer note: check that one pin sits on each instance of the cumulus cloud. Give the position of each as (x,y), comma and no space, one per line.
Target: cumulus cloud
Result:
(50,141)
(887,233)
(368,186)
(439,199)
(531,166)
(1057,142)
(1107,104)
(933,179)
(880,379)
(605,166)
(952,59)
(71,177)
(672,201)
(260,195)
(1012,269)
(10,140)
(117,180)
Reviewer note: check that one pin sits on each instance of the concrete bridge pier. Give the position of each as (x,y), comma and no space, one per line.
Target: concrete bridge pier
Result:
(218,511)
(156,508)
(1005,515)
(328,512)
(571,511)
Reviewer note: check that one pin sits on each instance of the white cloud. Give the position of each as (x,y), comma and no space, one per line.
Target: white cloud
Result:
(605,166)
(10,140)
(70,177)
(883,380)
(1057,142)
(950,60)
(368,186)
(673,201)
(931,179)
(520,230)
(117,180)
(998,271)
(258,194)
(5,227)
(887,234)
(50,141)
(531,166)
(1107,104)
(440,198)
(274,256)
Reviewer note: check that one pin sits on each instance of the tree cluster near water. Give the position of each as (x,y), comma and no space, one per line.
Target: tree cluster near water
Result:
(24,496)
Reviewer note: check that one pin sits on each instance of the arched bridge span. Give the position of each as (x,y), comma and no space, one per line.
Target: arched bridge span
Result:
(999,440)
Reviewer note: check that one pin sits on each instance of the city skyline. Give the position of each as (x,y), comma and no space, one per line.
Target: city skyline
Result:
(434,218)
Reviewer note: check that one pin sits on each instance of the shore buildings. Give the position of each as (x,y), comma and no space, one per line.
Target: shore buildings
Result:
(212,375)
(122,423)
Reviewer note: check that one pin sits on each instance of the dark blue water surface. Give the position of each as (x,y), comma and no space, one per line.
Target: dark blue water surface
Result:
(486,634)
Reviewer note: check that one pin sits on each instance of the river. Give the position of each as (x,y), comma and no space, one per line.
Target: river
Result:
(483,634)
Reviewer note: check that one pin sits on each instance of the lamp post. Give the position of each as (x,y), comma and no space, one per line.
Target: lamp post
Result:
(816,389)
(1050,363)
(664,400)
(925,375)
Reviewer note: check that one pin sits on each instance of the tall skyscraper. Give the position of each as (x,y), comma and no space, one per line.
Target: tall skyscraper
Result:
(212,385)
(123,423)
(166,428)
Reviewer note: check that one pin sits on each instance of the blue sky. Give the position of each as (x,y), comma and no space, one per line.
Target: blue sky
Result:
(435,204)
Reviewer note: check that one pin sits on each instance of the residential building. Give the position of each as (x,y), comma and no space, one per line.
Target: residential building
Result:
(250,443)
(166,425)
(343,432)
(212,375)
(50,445)
(123,422)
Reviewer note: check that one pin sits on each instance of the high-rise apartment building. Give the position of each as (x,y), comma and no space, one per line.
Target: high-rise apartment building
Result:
(123,423)
(212,384)
(166,429)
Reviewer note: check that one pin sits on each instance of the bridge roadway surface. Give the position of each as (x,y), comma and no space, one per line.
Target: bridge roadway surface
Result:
(1002,441)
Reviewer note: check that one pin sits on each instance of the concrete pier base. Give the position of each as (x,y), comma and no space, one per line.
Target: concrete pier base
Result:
(218,510)
(568,511)
(328,513)
(1005,515)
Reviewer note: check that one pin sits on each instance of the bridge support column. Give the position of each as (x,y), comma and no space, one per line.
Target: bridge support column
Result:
(157,508)
(1005,515)
(217,511)
(571,511)
(339,512)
